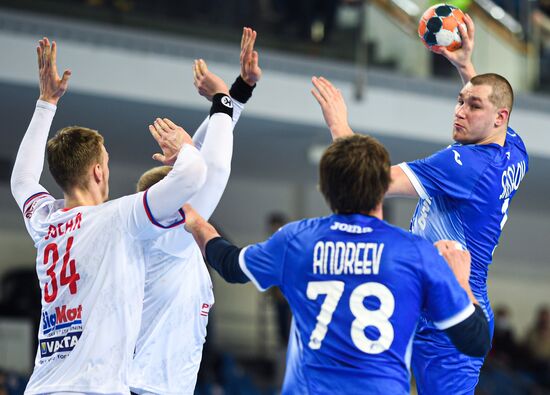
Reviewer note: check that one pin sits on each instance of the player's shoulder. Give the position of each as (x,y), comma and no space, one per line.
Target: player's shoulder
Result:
(411,238)
(470,156)
(295,228)
(460,158)
(514,139)
(42,203)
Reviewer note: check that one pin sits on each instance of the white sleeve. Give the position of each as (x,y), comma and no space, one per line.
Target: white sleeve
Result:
(25,178)
(185,179)
(158,208)
(200,133)
(217,151)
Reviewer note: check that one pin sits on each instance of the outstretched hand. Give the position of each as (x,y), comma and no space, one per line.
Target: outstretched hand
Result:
(206,82)
(462,57)
(250,71)
(51,86)
(170,138)
(333,106)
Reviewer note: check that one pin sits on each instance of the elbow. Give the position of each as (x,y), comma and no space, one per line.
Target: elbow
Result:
(219,171)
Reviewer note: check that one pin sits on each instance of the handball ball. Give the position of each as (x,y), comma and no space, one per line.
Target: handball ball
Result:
(438,27)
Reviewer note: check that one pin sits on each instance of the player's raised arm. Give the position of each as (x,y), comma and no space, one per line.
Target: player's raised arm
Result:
(333,107)
(242,88)
(462,57)
(30,157)
(187,176)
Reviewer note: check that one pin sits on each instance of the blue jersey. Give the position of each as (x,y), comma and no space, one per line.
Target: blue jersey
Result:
(356,286)
(465,192)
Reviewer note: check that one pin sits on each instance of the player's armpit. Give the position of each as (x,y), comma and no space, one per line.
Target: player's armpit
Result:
(471,336)
(400,184)
(224,258)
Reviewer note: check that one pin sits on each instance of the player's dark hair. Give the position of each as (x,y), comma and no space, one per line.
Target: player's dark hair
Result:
(70,154)
(354,174)
(151,177)
(502,94)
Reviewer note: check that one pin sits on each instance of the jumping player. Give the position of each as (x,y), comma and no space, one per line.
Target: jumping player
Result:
(356,285)
(465,191)
(178,288)
(91,253)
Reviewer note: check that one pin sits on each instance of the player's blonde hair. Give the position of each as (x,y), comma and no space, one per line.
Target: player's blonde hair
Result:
(502,95)
(151,177)
(70,154)
(354,174)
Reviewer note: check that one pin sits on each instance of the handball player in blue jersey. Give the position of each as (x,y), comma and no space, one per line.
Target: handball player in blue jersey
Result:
(465,191)
(356,285)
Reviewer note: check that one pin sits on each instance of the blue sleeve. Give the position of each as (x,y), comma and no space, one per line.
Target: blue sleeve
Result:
(445,302)
(263,263)
(453,172)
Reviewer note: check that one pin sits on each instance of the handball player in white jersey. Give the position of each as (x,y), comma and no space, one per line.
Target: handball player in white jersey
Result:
(91,253)
(178,289)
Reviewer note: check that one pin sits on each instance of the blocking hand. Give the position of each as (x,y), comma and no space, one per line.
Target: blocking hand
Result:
(52,88)
(250,71)
(206,82)
(333,106)
(170,138)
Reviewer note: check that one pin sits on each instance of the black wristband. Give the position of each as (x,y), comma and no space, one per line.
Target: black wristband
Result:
(222,103)
(240,90)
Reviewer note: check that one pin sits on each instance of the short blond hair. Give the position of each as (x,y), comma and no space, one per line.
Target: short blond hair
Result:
(151,177)
(70,154)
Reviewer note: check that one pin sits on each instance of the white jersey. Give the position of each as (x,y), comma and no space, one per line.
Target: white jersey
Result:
(91,272)
(90,265)
(178,298)
(178,288)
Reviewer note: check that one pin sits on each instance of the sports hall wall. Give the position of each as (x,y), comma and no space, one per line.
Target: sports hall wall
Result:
(119,91)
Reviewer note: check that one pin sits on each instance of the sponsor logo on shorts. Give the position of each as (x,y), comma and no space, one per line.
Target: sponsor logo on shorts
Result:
(59,344)
(62,317)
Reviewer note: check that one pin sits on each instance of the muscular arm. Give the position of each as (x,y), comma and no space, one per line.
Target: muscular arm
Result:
(30,157)
(400,184)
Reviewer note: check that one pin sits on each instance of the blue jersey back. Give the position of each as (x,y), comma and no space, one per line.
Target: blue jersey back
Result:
(465,192)
(356,286)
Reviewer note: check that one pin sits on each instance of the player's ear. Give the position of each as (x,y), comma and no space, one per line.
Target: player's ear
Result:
(502,117)
(97,172)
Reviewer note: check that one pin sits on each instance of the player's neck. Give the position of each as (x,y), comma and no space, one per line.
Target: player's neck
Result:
(80,197)
(378,212)
(499,137)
